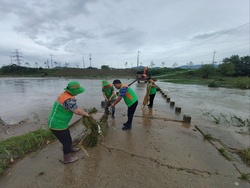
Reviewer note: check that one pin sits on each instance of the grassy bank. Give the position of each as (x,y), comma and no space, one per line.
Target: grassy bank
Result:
(213,81)
(177,75)
(15,148)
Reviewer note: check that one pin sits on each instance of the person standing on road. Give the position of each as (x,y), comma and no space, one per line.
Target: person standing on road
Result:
(152,91)
(108,93)
(146,72)
(62,112)
(130,99)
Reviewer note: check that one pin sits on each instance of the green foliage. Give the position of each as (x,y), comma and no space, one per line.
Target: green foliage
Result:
(227,69)
(243,83)
(20,70)
(224,153)
(245,176)
(245,155)
(207,70)
(233,120)
(208,137)
(241,65)
(214,84)
(105,67)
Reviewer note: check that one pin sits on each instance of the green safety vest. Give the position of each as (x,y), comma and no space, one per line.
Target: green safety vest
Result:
(152,89)
(59,117)
(108,91)
(130,98)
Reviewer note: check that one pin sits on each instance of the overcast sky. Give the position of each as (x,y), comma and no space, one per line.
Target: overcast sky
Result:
(119,31)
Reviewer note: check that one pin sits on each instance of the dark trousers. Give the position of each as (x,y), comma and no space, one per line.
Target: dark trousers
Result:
(130,113)
(64,137)
(151,100)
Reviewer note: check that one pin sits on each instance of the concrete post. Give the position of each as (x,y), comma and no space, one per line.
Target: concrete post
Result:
(177,109)
(186,118)
(168,99)
(172,103)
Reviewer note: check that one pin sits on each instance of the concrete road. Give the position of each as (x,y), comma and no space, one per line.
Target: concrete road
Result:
(156,152)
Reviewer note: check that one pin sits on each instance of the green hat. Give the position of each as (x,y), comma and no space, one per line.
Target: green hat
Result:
(74,88)
(105,83)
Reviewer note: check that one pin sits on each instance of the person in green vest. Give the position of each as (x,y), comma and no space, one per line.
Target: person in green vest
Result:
(152,91)
(108,93)
(130,99)
(62,112)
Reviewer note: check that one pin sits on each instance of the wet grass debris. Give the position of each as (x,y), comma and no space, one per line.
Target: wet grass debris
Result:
(15,148)
(94,129)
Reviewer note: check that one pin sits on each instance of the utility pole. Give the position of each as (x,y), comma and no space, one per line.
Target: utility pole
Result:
(138,58)
(83,65)
(90,59)
(51,61)
(11,60)
(214,56)
(17,57)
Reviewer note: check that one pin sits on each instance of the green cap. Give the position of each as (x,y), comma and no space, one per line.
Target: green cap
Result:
(74,88)
(105,83)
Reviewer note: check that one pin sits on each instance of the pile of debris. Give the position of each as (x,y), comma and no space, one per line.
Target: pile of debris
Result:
(94,129)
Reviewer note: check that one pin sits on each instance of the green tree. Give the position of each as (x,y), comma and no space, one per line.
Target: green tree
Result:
(245,66)
(207,70)
(226,69)
(241,65)
(105,67)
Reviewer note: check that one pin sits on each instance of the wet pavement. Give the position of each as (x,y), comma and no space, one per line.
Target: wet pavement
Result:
(159,151)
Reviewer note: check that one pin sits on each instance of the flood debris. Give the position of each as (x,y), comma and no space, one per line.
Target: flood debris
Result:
(94,129)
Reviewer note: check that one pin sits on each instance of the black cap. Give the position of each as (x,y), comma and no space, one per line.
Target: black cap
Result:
(116,82)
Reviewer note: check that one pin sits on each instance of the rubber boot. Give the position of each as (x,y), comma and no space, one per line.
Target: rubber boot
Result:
(69,159)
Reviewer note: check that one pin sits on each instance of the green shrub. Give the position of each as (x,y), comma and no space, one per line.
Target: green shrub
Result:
(214,84)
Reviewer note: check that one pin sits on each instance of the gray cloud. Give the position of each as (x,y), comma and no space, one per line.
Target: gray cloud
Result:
(165,28)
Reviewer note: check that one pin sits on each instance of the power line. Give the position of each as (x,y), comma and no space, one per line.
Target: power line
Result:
(233,47)
(17,57)
(210,39)
(214,52)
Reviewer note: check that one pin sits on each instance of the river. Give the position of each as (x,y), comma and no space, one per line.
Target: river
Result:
(27,98)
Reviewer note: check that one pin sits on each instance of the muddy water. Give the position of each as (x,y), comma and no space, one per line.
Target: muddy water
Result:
(24,99)
(218,102)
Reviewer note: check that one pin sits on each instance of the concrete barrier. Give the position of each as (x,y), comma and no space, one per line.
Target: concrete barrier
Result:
(186,118)
(178,110)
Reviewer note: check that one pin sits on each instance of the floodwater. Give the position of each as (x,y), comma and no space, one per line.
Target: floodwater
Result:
(32,98)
